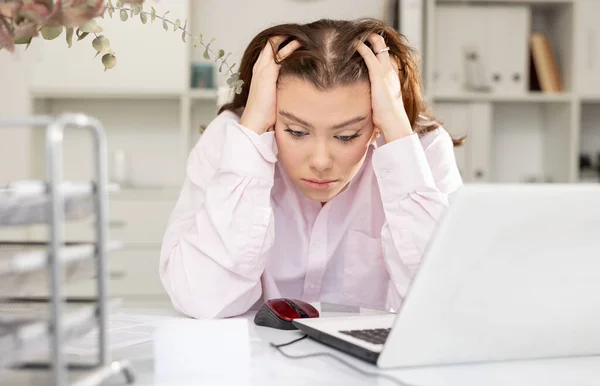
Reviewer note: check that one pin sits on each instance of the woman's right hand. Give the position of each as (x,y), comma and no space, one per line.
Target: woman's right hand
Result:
(260,112)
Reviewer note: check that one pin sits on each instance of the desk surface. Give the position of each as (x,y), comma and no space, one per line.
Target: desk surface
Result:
(236,352)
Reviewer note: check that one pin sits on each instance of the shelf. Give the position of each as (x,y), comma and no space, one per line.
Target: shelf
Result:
(589,98)
(194,94)
(25,327)
(504,2)
(481,97)
(143,194)
(58,93)
(203,94)
(26,202)
(24,265)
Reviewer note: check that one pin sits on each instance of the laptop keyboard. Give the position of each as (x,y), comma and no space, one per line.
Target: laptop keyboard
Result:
(375,335)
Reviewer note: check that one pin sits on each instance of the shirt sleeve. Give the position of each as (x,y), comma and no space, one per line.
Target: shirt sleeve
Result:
(221,230)
(415,177)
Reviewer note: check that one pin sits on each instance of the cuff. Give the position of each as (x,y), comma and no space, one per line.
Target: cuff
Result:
(247,153)
(401,167)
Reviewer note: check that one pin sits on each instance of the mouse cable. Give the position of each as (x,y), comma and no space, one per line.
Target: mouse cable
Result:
(324,354)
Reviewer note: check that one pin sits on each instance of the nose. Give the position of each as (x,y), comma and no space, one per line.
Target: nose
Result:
(320,158)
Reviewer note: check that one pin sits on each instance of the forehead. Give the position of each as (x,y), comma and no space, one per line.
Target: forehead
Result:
(323,107)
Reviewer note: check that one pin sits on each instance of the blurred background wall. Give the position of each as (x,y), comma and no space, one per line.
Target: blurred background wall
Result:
(520,78)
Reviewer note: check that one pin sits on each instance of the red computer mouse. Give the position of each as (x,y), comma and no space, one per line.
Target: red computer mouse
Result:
(279,313)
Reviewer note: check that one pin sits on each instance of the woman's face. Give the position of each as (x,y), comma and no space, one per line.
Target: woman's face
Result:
(322,136)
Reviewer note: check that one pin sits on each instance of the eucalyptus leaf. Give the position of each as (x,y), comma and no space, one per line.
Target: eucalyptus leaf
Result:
(51,33)
(205,55)
(220,54)
(153,14)
(137,9)
(81,35)
(197,41)
(119,3)
(124,15)
(69,33)
(184,33)
(144,17)
(111,10)
(101,44)
(91,27)
(177,25)
(109,61)
(23,40)
(165,26)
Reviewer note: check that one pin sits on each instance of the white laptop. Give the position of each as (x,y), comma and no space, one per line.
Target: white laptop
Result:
(512,272)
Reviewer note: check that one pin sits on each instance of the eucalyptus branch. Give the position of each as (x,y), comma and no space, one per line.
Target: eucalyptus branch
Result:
(233,81)
(23,20)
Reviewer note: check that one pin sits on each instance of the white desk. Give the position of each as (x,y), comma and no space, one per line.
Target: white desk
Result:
(175,357)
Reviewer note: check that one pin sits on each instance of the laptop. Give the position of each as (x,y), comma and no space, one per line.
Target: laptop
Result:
(512,272)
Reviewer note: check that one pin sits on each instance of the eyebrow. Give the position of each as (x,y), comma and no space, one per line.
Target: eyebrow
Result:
(337,126)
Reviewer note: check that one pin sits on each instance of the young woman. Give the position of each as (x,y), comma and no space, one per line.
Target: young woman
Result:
(322,181)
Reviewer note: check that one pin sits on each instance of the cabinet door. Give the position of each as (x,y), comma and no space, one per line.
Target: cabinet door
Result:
(148,57)
(132,273)
(135,223)
(587,47)
(507,65)
(481,48)
(455,119)
(474,121)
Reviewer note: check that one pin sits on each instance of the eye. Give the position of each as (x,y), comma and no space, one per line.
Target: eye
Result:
(296,134)
(347,138)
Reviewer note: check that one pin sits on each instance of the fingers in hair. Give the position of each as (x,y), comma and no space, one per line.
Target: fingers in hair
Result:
(370,59)
(288,50)
(378,43)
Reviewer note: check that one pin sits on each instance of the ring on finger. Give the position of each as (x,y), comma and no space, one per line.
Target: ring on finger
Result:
(382,50)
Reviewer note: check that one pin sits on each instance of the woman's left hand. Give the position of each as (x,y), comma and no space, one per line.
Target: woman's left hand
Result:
(389,115)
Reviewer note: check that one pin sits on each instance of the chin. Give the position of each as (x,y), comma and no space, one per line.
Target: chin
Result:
(320,196)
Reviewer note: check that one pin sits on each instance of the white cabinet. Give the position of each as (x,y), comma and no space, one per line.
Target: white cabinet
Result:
(472,120)
(481,48)
(587,47)
(148,57)
(138,220)
(132,275)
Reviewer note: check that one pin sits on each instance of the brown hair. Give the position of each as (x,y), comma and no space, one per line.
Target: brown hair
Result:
(327,58)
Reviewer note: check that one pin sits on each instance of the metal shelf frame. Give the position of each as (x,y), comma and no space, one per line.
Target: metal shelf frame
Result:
(55,131)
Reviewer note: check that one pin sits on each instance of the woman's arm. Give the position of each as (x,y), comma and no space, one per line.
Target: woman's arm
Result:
(415,177)
(221,230)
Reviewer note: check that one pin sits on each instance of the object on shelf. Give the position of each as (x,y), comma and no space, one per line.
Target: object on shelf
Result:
(588,172)
(545,71)
(475,79)
(120,167)
(26,202)
(203,75)
(24,265)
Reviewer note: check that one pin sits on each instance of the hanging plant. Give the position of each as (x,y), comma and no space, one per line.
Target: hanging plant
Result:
(21,21)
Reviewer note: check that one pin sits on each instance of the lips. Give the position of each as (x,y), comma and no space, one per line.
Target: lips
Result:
(319,184)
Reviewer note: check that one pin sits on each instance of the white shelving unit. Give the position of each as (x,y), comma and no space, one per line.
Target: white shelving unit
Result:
(515,134)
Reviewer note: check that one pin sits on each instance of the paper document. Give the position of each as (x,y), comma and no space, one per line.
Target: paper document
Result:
(124,330)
